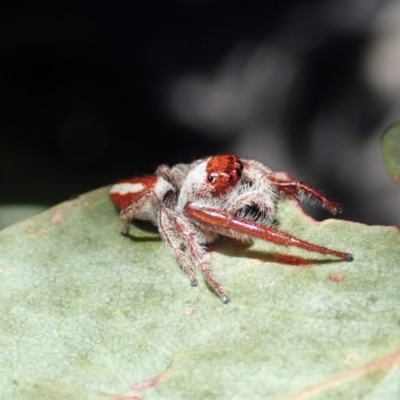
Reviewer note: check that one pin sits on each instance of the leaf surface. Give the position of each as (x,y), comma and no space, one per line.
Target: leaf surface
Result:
(89,314)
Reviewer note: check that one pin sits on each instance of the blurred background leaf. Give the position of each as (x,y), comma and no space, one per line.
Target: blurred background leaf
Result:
(391,150)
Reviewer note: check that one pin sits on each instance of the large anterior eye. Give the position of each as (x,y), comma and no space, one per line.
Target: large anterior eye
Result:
(211,178)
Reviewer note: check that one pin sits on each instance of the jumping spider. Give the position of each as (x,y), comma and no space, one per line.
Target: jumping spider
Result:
(193,204)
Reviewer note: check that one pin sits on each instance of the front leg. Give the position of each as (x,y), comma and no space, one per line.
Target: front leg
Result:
(193,240)
(298,190)
(285,186)
(174,175)
(174,242)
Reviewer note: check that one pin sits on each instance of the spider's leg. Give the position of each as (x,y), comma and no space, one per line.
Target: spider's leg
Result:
(297,189)
(166,173)
(128,214)
(167,231)
(224,220)
(197,252)
(174,175)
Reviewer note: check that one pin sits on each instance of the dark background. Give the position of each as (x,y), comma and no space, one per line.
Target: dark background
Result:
(93,92)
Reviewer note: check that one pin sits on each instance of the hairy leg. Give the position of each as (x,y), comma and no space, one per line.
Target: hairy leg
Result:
(297,190)
(129,213)
(167,232)
(175,175)
(193,241)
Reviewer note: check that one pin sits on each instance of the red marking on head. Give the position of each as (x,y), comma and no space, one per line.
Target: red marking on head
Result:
(124,193)
(223,173)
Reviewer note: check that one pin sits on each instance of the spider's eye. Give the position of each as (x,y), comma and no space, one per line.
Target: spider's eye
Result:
(211,178)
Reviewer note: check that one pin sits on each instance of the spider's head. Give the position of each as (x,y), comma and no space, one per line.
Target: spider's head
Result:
(223,173)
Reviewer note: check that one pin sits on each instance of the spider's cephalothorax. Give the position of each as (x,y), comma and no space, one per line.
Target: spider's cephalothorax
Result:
(193,204)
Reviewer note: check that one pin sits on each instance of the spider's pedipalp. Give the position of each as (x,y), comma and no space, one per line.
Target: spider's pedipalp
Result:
(223,219)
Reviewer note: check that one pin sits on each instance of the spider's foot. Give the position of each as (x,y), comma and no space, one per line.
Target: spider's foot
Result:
(225,299)
(349,257)
(193,282)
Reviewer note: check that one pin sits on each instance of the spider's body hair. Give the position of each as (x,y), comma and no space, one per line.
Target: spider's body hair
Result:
(193,204)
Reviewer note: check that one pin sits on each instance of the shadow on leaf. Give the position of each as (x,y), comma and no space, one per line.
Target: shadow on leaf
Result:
(233,248)
(150,232)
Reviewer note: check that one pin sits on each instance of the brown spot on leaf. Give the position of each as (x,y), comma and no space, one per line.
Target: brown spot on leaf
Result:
(335,277)
(148,384)
(139,387)
(189,311)
(58,217)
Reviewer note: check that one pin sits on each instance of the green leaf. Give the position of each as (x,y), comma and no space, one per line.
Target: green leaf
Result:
(89,314)
(391,150)
(10,214)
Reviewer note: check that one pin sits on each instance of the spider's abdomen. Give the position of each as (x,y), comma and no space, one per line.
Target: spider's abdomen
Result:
(126,192)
